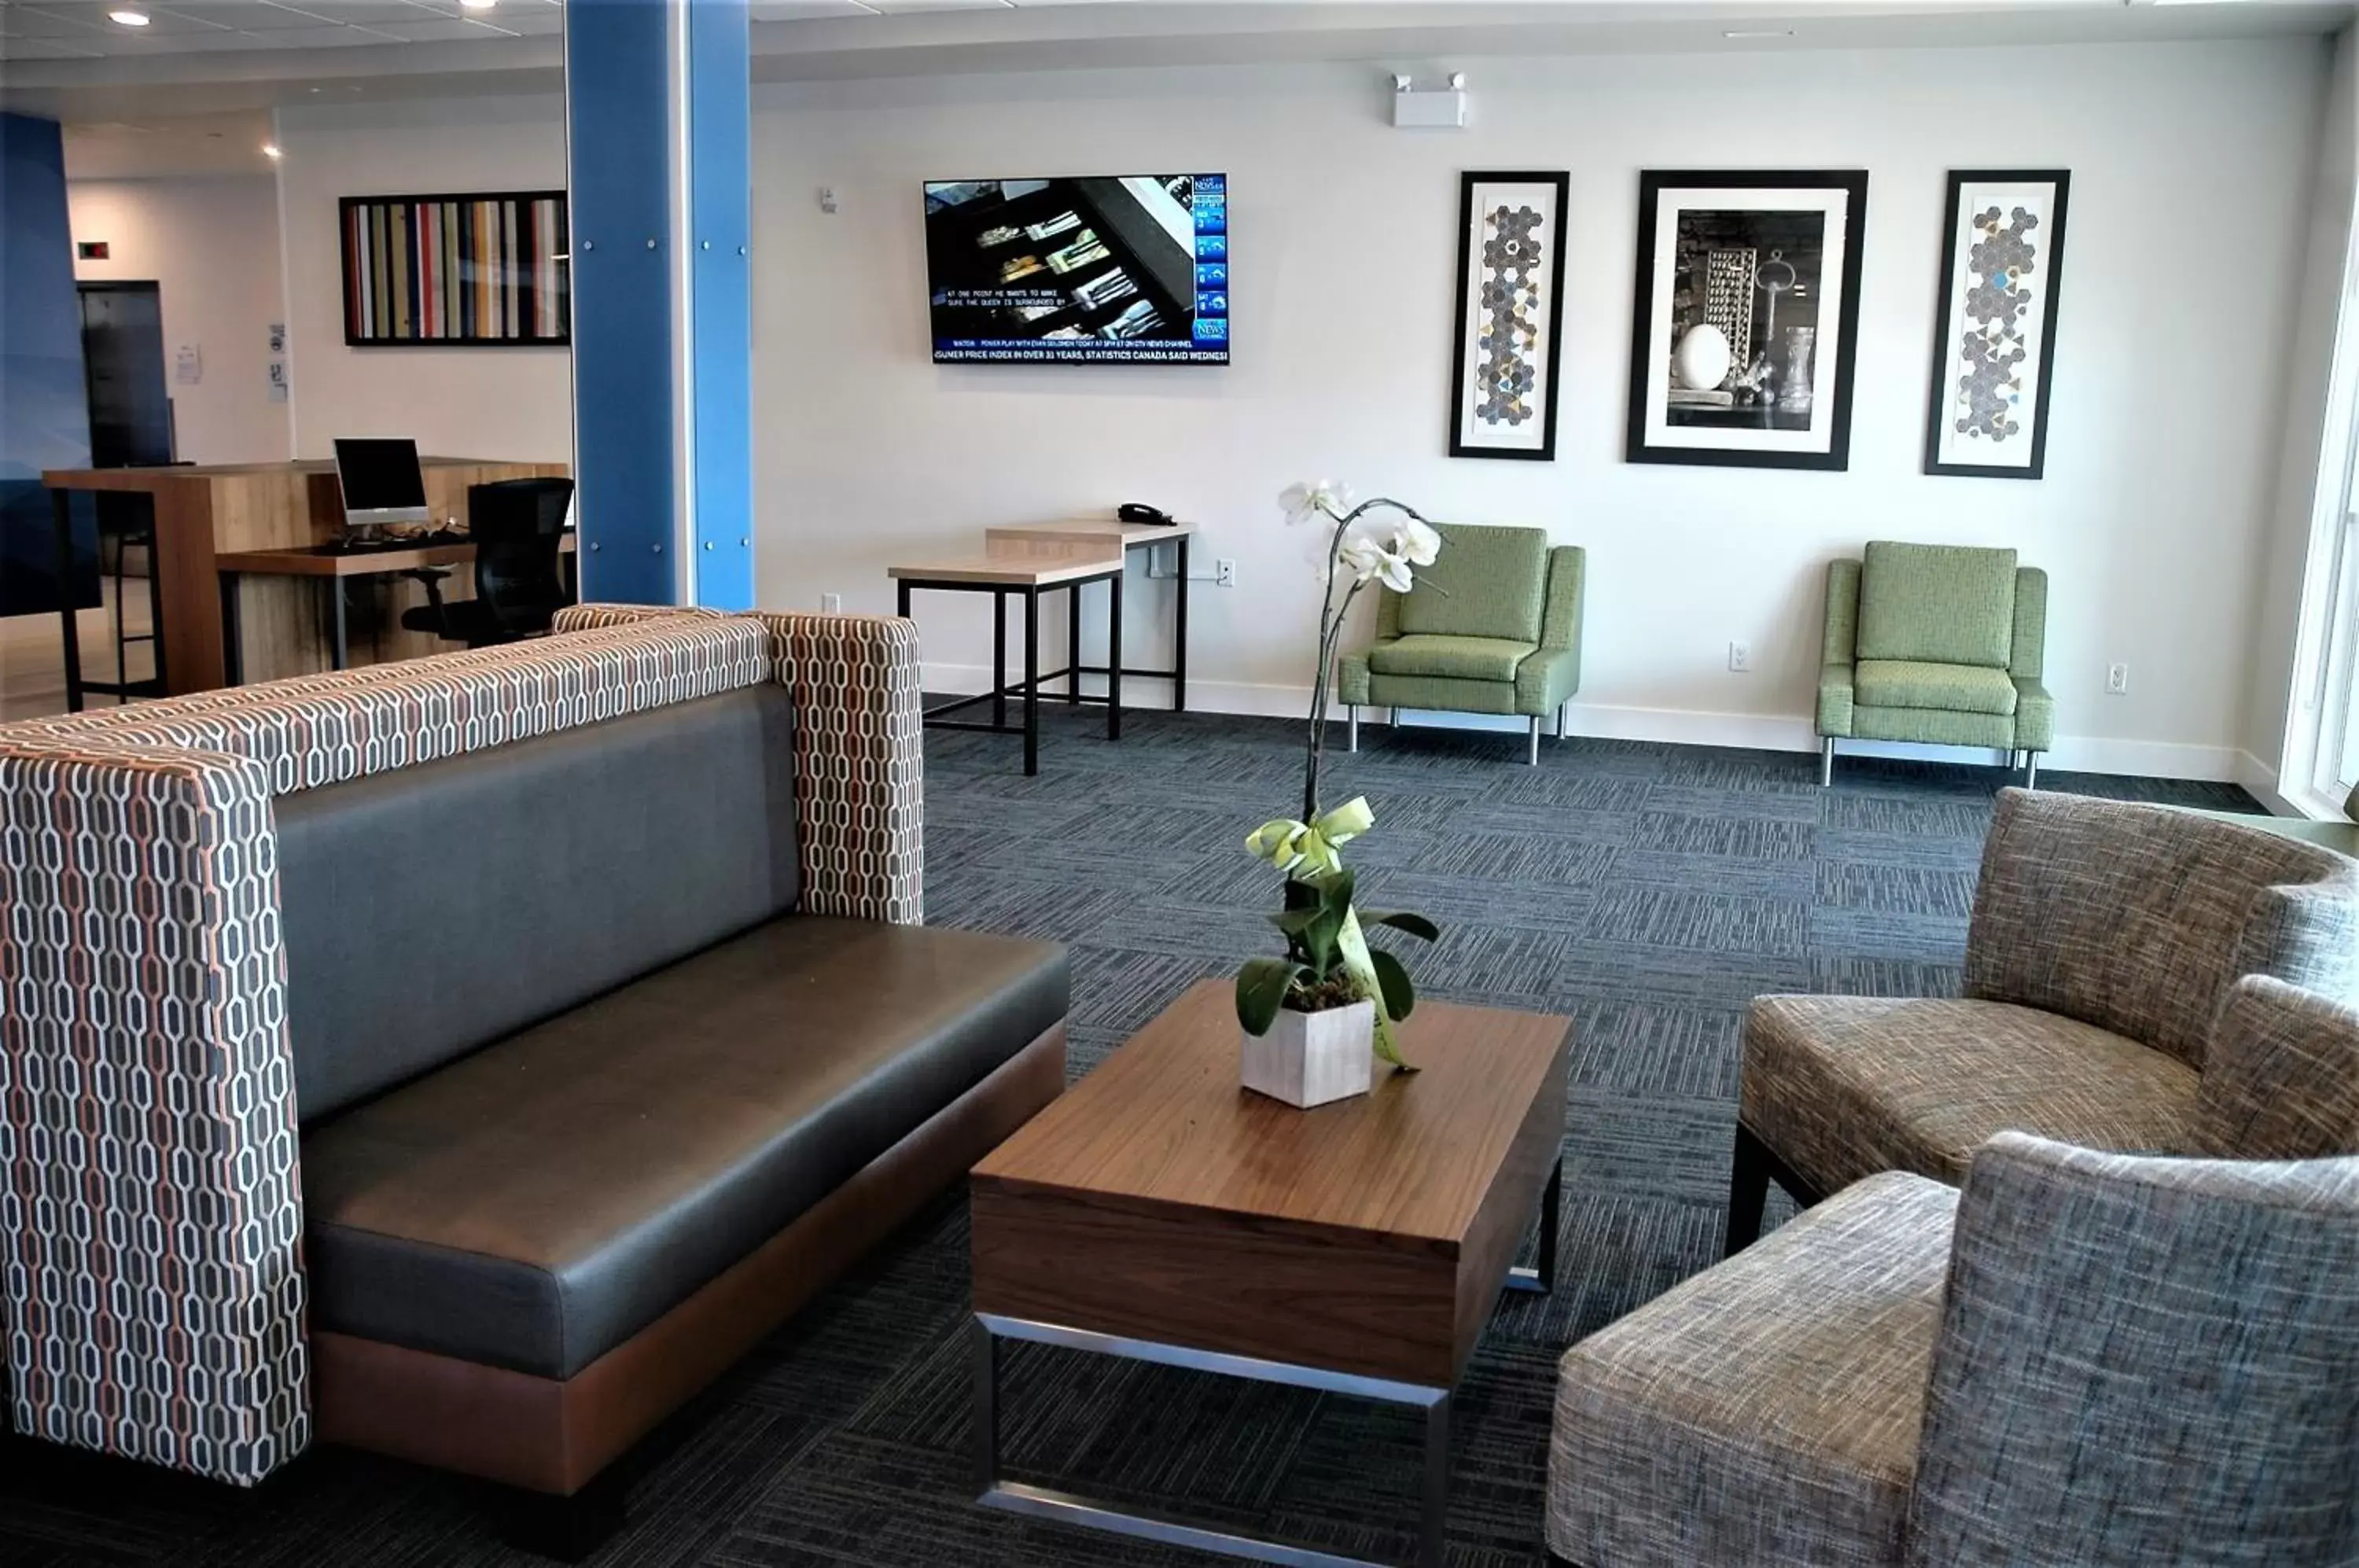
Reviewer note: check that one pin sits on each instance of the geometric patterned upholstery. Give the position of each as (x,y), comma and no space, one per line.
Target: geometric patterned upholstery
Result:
(150,1221)
(2105,942)
(2085,1359)
(1765,1411)
(1843,1087)
(860,789)
(151,1211)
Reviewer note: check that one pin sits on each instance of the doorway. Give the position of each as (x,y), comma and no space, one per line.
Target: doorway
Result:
(122,367)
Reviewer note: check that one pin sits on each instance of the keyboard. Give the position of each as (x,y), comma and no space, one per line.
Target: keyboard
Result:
(408,541)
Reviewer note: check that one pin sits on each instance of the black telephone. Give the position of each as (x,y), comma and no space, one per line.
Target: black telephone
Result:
(1139,512)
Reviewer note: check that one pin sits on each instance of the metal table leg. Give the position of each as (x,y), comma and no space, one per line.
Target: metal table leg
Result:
(1179,636)
(999,658)
(1073,1509)
(1113,653)
(341,652)
(232,633)
(61,517)
(1074,644)
(1031,681)
(1540,1279)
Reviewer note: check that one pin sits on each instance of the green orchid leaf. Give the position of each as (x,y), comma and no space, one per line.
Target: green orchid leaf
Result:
(1393,981)
(1402,921)
(1262,985)
(1294,922)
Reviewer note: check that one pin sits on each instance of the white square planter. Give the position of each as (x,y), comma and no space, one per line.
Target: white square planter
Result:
(1309,1059)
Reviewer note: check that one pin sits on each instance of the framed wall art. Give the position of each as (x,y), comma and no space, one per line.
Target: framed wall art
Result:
(1510,285)
(1995,340)
(479,269)
(1747,317)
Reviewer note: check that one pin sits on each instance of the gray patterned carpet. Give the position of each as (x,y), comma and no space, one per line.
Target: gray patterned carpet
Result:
(1646,890)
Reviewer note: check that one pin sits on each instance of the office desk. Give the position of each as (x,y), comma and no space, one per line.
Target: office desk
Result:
(336,568)
(204,512)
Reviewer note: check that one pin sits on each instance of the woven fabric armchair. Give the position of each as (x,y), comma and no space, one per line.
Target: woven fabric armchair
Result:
(2095,1359)
(1937,643)
(1492,626)
(2106,939)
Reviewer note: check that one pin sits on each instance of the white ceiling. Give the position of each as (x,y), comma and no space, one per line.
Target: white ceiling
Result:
(67,60)
(84,30)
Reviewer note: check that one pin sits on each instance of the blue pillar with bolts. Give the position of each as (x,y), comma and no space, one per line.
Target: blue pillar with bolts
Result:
(657,123)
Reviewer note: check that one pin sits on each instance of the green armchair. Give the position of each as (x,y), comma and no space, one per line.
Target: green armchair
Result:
(1937,643)
(1492,626)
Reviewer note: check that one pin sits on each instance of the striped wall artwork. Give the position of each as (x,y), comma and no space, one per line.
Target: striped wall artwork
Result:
(477,269)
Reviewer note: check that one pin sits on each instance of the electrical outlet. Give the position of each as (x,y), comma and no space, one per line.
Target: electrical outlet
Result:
(1740,657)
(1224,572)
(2117,680)
(831,603)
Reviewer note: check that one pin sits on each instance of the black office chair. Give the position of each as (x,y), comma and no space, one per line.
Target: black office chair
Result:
(517,526)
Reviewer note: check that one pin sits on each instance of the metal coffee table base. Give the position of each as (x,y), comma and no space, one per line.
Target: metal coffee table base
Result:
(1069,1508)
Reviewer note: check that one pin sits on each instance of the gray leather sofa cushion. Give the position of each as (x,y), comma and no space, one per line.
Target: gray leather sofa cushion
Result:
(535,1204)
(432,910)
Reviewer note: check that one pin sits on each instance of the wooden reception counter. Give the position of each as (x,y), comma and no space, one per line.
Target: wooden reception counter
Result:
(205,512)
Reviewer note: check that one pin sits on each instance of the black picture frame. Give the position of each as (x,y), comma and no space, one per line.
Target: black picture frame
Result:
(1560,182)
(1648,336)
(545,304)
(1938,407)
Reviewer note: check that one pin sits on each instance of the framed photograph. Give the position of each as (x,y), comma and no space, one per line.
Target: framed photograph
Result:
(1510,284)
(1748,316)
(478,269)
(1995,342)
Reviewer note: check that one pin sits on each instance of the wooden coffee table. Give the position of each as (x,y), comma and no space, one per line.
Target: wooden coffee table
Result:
(1161,1212)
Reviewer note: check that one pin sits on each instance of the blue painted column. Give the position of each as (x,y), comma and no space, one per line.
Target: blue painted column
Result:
(658,122)
(44,404)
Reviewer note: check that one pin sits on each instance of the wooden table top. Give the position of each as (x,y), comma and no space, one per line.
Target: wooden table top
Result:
(1010,571)
(146,478)
(1132,535)
(1163,1121)
(312,561)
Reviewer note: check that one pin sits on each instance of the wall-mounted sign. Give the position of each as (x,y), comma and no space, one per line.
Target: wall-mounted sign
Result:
(91,250)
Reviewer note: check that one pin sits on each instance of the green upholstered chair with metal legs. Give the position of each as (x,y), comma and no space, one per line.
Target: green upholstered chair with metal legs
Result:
(1492,626)
(1938,644)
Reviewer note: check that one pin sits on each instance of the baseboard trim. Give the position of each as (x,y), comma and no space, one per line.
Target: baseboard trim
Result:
(1749,732)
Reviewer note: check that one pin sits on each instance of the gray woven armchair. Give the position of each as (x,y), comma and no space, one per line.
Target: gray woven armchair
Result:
(2099,1360)
(2105,938)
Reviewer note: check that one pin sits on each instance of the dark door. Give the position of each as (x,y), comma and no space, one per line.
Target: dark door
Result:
(122,362)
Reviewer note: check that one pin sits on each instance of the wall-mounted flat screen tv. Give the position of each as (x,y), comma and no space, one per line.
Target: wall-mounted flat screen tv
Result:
(1110,269)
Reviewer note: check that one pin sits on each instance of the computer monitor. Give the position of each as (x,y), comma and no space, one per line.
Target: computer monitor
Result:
(381,482)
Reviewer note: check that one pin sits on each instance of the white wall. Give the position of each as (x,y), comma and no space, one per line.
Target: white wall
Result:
(2190,167)
(510,403)
(211,245)
(2292,605)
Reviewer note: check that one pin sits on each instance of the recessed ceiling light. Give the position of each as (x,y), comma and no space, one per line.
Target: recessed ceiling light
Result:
(270,151)
(128,19)
(1758,33)
(478,5)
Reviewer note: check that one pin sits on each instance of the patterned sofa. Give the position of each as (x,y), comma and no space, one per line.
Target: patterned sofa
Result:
(469,1058)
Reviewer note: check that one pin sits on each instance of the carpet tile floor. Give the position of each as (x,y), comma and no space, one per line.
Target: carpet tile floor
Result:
(1646,890)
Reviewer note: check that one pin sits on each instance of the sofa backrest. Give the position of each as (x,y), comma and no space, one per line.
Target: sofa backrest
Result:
(2139,918)
(1937,603)
(1486,581)
(432,910)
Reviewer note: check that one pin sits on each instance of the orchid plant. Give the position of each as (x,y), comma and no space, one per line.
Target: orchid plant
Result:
(1328,962)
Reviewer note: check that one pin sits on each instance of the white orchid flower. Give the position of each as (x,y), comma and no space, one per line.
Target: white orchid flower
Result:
(1307,499)
(1417,542)
(1370,562)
